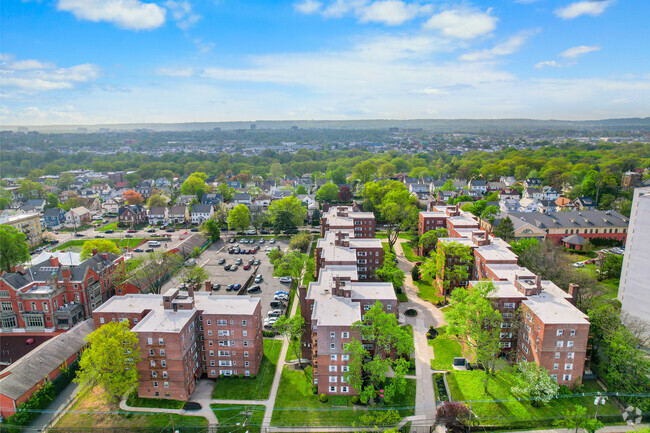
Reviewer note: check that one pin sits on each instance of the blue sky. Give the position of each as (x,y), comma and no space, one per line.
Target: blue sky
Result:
(116,61)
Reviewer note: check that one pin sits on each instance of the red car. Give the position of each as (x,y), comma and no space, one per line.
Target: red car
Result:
(247,267)
(131,231)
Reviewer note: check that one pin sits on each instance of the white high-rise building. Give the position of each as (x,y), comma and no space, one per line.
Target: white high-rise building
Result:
(634,290)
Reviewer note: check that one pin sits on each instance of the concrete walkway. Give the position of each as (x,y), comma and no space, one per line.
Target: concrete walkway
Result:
(56,409)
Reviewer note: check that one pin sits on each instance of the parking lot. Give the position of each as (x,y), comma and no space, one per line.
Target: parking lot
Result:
(269,284)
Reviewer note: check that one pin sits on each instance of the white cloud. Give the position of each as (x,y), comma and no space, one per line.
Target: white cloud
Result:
(587,7)
(176,72)
(551,63)
(307,7)
(342,7)
(33,76)
(390,12)
(578,51)
(462,23)
(182,13)
(510,46)
(127,14)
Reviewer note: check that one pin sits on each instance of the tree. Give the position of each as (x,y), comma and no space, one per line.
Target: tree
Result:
(195,185)
(30,189)
(521,246)
(449,266)
(380,420)
(211,229)
(132,197)
(364,171)
(453,414)
(386,170)
(474,321)
(289,264)
(338,175)
(300,241)
(111,360)
(13,248)
(193,276)
(327,193)
(344,194)
(610,266)
(3,203)
(505,229)
(368,373)
(490,213)
(156,200)
(276,170)
(284,222)
(52,201)
(448,186)
(292,206)
(101,245)
(315,218)
(148,273)
(301,190)
(429,240)
(65,180)
(577,418)
(239,218)
(390,273)
(227,192)
(535,382)
(291,329)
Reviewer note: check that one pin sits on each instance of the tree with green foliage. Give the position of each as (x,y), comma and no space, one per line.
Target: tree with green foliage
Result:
(13,248)
(364,171)
(193,276)
(474,321)
(239,218)
(52,201)
(380,420)
(386,170)
(610,266)
(490,213)
(315,218)
(429,240)
(276,171)
(30,189)
(301,190)
(505,229)
(390,273)
(290,205)
(577,418)
(289,264)
(534,381)
(450,265)
(211,229)
(156,200)
(292,329)
(300,241)
(284,222)
(327,193)
(195,185)
(338,175)
(100,245)
(148,272)
(65,180)
(226,191)
(522,245)
(398,209)
(111,360)
(3,203)
(368,373)
(448,186)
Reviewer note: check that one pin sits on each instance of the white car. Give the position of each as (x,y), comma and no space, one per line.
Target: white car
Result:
(275,313)
(286,280)
(258,278)
(262,240)
(578,265)
(267,249)
(281,297)
(272,241)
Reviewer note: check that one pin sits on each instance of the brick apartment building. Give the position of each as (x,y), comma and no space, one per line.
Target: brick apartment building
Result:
(185,335)
(132,215)
(346,257)
(340,247)
(344,218)
(552,331)
(52,295)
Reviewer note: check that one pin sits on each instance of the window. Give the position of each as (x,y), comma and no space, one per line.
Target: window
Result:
(569,344)
(566,377)
(332,389)
(570,355)
(332,346)
(243,323)
(556,366)
(568,366)
(245,343)
(557,355)
(162,352)
(212,363)
(225,363)
(332,335)
(332,357)
(529,318)
(151,352)
(334,379)
(573,332)
(525,349)
(221,333)
(213,372)
(246,353)
(554,376)
(333,368)
(45,306)
(153,363)
(560,332)
(222,322)
(163,363)
(246,364)
(166,384)
(345,357)
(164,374)
(559,344)
(366,307)
(149,340)
(220,353)
(345,334)
(101,320)
(155,384)
(509,305)
(154,374)
(505,344)
(344,389)
(156,394)
(209,322)
(388,307)
(160,341)
(210,343)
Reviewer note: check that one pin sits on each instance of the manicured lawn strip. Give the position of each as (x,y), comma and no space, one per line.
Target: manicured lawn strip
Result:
(230,388)
(136,401)
(235,418)
(383,235)
(427,291)
(401,297)
(122,243)
(76,243)
(384,245)
(110,226)
(310,266)
(444,351)
(296,405)
(290,352)
(495,404)
(72,229)
(410,255)
(92,411)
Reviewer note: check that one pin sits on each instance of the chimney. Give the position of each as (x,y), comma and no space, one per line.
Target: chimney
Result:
(190,290)
(574,291)
(105,256)
(54,262)
(208,286)
(65,273)
(94,251)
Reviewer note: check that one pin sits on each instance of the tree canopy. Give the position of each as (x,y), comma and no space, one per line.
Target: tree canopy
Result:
(239,218)
(292,206)
(13,248)
(101,245)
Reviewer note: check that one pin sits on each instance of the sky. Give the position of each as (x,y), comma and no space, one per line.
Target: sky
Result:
(126,61)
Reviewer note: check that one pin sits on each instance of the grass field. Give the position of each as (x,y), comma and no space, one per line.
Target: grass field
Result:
(259,388)
(410,254)
(444,351)
(78,243)
(296,405)
(495,404)
(110,226)
(238,419)
(136,401)
(92,411)
(427,291)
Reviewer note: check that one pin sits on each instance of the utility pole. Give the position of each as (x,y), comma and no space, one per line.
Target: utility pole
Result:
(171,418)
(469,426)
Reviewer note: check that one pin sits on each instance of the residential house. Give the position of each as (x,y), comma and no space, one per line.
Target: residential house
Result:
(564,204)
(77,217)
(213,199)
(478,184)
(157,215)
(550,193)
(533,182)
(53,218)
(113,204)
(508,180)
(132,215)
(242,198)
(184,200)
(177,214)
(281,193)
(34,205)
(496,186)
(308,201)
(200,213)
(93,204)
(534,193)
(145,188)
(631,179)
(234,184)
(263,200)
(585,203)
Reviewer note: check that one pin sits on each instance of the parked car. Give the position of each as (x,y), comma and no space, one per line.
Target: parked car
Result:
(238,262)
(131,231)
(254,289)
(234,268)
(137,250)
(236,286)
(190,262)
(54,242)
(265,232)
(286,280)
(128,236)
(151,231)
(149,250)
(98,236)
(247,267)
(272,241)
(229,287)
(256,262)
(79,235)
(275,313)
(267,249)
(277,304)
(232,240)
(258,278)
(109,231)
(194,229)
(216,287)
(281,297)
(222,261)
(227,267)
(281,292)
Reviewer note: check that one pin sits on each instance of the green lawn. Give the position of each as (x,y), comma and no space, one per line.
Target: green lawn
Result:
(383,235)
(495,404)
(296,405)
(259,388)
(110,226)
(401,297)
(238,419)
(78,243)
(444,351)
(427,291)
(410,254)
(384,245)
(135,401)
(609,286)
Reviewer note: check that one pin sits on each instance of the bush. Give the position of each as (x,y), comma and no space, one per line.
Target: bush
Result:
(241,376)
(252,376)
(268,334)
(433,333)
(364,399)
(411,312)
(564,390)
(221,376)
(314,389)
(415,273)
(323,398)
(191,405)
(355,399)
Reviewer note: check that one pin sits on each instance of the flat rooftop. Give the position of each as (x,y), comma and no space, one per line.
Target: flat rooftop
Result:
(494,252)
(554,309)
(503,289)
(434,214)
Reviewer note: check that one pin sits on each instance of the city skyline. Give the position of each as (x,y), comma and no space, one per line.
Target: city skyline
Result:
(111,61)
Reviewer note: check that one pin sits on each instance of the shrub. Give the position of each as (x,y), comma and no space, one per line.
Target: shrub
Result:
(252,376)
(411,312)
(433,333)
(355,399)
(241,376)
(412,364)
(314,389)
(415,273)
(221,376)
(364,399)
(268,334)
(323,398)
(192,405)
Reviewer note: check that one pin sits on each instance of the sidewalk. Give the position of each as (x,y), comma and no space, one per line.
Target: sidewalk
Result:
(48,417)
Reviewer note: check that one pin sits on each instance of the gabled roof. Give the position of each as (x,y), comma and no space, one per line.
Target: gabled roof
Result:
(574,240)
(53,212)
(573,219)
(201,208)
